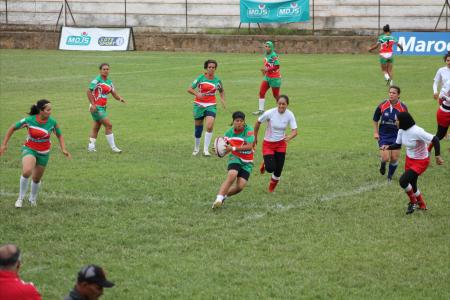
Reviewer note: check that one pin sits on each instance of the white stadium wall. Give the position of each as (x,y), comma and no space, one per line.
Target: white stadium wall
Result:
(359,16)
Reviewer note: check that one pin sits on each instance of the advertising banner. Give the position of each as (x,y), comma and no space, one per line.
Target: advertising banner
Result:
(97,39)
(423,43)
(274,11)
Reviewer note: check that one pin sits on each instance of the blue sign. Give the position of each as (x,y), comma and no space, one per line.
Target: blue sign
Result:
(274,11)
(423,43)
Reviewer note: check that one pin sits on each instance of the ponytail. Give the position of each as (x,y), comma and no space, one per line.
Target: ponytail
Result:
(36,108)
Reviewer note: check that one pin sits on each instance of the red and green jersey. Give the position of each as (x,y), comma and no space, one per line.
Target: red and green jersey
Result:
(239,139)
(272,65)
(100,89)
(39,132)
(387,42)
(208,88)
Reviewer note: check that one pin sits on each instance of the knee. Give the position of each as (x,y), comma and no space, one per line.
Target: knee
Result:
(26,173)
(403,181)
(270,168)
(108,127)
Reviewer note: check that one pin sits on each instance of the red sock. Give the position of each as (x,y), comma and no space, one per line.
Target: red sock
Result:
(421,202)
(272,184)
(412,197)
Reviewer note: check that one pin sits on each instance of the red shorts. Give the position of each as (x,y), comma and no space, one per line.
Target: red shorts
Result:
(443,118)
(269,148)
(417,165)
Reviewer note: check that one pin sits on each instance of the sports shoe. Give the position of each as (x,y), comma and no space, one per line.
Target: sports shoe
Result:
(18,203)
(116,150)
(262,168)
(258,112)
(195,152)
(389,179)
(272,185)
(383,168)
(218,203)
(33,202)
(388,82)
(206,153)
(91,148)
(411,208)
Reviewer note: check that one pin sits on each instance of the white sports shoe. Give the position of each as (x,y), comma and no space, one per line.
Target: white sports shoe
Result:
(91,148)
(116,150)
(258,112)
(218,203)
(206,153)
(33,202)
(18,203)
(195,152)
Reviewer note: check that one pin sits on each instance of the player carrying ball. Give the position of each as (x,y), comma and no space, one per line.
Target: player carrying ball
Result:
(240,140)
(36,150)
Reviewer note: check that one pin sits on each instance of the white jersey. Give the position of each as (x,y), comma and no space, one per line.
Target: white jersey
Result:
(416,141)
(277,124)
(442,76)
(445,96)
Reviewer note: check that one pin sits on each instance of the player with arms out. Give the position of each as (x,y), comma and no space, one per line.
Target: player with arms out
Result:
(97,94)
(386,43)
(417,157)
(385,129)
(204,88)
(275,141)
(36,150)
(240,140)
(272,76)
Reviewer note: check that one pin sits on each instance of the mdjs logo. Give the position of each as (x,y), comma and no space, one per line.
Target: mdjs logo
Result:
(261,11)
(81,40)
(289,11)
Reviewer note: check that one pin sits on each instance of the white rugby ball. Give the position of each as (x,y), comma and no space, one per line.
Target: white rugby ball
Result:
(220,146)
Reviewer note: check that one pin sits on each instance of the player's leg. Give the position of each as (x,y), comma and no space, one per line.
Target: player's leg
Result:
(198,129)
(241,182)
(233,170)
(383,64)
(390,70)
(264,87)
(38,172)
(279,158)
(109,134)
(275,84)
(393,163)
(28,164)
(384,158)
(407,180)
(269,163)
(209,124)
(443,122)
(93,136)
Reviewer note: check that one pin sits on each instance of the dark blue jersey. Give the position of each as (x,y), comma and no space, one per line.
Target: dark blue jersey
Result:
(386,115)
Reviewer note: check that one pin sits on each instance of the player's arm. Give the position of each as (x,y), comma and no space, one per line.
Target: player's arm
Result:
(394,146)
(374,47)
(436,81)
(256,130)
(400,46)
(222,95)
(245,147)
(376,118)
(292,135)
(117,96)
(91,99)
(9,133)
(61,141)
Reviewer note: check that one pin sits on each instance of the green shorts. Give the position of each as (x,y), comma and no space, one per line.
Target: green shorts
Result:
(384,61)
(41,159)
(248,167)
(99,114)
(273,82)
(201,112)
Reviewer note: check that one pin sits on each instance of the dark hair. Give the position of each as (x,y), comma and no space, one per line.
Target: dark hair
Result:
(386,28)
(102,65)
(446,56)
(11,259)
(395,87)
(40,105)
(210,61)
(405,120)
(285,98)
(238,115)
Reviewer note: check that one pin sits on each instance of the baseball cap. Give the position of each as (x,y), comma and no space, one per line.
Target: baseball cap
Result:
(94,274)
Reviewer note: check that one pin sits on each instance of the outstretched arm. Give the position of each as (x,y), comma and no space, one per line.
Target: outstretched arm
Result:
(117,97)
(4,145)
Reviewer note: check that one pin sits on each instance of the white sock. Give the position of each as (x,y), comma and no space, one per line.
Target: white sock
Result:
(197,143)
(275,177)
(261,103)
(417,193)
(219,198)
(208,137)
(392,82)
(110,139)
(408,188)
(386,76)
(34,190)
(92,141)
(23,187)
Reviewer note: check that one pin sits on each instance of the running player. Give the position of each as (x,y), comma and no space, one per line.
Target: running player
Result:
(443,113)
(386,43)
(36,149)
(97,95)
(385,129)
(272,76)
(275,140)
(204,88)
(417,157)
(240,140)
(442,76)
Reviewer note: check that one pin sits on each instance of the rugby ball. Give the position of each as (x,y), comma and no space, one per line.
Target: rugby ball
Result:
(220,146)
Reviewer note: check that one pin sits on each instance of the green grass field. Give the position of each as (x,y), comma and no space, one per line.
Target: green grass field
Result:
(333,229)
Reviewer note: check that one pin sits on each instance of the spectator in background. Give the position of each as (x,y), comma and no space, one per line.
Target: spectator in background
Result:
(11,286)
(90,283)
